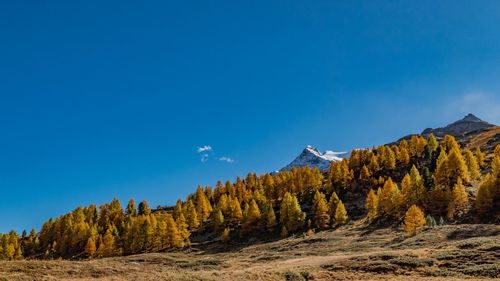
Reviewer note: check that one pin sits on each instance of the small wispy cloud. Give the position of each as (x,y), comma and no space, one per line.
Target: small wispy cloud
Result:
(204,148)
(226,159)
(206,152)
(204,157)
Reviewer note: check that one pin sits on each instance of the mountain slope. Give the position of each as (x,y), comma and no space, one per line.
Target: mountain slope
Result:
(351,252)
(312,157)
(464,130)
(466,125)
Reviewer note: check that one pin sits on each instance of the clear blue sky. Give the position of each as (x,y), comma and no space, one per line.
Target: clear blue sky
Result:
(113,98)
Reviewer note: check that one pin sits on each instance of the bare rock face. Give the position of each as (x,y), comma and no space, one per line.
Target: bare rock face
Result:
(468,124)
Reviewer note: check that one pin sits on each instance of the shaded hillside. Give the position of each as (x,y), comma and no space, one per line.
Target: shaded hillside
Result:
(436,179)
(470,124)
(464,130)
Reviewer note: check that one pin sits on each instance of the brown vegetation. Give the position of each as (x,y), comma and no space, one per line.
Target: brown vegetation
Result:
(352,252)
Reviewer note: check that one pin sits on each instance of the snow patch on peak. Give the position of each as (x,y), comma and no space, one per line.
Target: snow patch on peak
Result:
(312,157)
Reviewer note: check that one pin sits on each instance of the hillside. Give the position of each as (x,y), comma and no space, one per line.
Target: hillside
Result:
(352,252)
(421,207)
(486,140)
(470,124)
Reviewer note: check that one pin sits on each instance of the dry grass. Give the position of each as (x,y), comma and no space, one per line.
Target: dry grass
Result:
(353,252)
(486,140)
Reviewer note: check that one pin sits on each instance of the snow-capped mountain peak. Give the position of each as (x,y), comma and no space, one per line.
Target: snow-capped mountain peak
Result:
(312,157)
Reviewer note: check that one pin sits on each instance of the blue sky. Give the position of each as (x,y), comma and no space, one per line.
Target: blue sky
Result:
(113,98)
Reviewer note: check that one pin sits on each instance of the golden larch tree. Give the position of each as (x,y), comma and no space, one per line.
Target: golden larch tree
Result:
(332,206)
(90,247)
(252,219)
(341,214)
(320,211)
(406,194)
(432,142)
(479,157)
(456,168)
(390,198)
(203,207)
(414,220)
(472,165)
(270,219)
(450,143)
(459,202)
(371,205)
(417,190)
(441,175)
(291,215)
(191,215)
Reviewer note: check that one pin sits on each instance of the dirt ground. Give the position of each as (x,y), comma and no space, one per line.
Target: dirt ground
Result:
(353,252)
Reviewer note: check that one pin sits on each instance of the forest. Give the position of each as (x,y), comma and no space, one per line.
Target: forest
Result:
(415,183)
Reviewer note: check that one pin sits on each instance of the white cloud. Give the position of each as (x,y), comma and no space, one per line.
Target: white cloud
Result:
(226,159)
(206,151)
(204,148)
(204,157)
(484,105)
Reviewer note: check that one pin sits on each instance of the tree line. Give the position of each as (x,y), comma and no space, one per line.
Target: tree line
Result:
(402,182)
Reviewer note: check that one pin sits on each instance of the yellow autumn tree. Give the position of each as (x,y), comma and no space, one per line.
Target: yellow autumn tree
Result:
(488,193)
(451,167)
(223,205)
(270,218)
(414,220)
(371,205)
(373,165)
(226,235)
(364,174)
(496,152)
(472,165)
(390,198)
(432,142)
(178,209)
(90,247)
(107,245)
(450,143)
(441,174)
(459,202)
(203,207)
(175,238)
(341,214)
(218,220)
(479,157)
(320,211)
(332,206)
(404,156)
(484,196)
(417,189)
(456,168)
(291,215)
(417,145)
(388,157)
(252,218)
(236,213)
(406,193)
(191,215)
(183,228)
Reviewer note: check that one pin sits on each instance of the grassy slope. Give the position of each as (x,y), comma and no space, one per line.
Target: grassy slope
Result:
(353,252)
